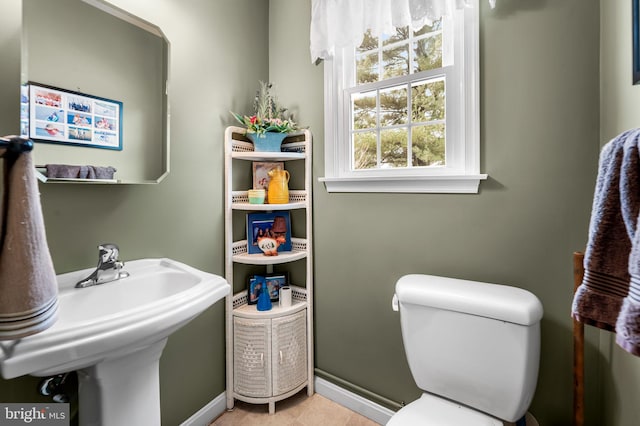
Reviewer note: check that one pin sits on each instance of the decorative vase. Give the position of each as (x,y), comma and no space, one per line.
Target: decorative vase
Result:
(264,300)
(267,142)
(278,191)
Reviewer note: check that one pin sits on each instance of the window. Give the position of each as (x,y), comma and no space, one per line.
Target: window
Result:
(401,110)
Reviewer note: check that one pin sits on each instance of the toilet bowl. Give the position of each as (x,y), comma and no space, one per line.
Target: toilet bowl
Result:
(472,347)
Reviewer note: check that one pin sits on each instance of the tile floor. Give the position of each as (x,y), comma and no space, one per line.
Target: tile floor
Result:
(299,410)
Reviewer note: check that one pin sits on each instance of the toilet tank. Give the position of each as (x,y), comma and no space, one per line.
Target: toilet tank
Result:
(471,342)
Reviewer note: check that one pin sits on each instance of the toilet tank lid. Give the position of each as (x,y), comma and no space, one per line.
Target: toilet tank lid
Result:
(495,301)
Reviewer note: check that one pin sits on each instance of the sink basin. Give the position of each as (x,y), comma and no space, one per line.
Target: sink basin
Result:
(114,333)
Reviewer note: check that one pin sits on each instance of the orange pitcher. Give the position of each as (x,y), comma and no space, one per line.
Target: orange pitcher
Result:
(278,191)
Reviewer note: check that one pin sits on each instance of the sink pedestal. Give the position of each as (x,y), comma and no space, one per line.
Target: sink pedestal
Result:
(124,390)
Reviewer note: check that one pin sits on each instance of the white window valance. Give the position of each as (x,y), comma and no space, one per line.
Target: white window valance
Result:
(342,23)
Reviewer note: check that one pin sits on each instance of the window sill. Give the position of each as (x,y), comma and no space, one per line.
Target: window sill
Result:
(454,184)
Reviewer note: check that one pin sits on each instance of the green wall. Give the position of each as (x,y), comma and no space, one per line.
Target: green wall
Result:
(219,49)
(540,140)
(10,48)
(541,132)
(619,106)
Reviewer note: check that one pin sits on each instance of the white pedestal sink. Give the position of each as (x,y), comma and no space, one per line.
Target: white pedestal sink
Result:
(113,334)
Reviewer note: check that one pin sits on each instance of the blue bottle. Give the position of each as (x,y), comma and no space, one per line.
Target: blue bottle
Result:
(264,300)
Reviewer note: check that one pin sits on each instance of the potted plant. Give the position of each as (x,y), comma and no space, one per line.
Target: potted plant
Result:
(269,124)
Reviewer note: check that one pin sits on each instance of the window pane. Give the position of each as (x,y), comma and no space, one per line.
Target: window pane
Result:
(393,148)
(365,148)
(427,53)
(435,26)
(368,43)
(395,61)
(364,110)
(427,101)
(428,145)
(401,34)
(393,106)
(367,68)
(381,125)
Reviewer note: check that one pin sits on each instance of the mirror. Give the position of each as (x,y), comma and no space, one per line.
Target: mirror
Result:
(94,48)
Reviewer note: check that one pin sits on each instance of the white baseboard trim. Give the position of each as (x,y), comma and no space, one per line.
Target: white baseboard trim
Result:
(352,401)
(206,414)
(335,393)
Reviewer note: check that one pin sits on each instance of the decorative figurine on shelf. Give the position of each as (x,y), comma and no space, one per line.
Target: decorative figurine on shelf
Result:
(271,238)
(264,300)
(269,245)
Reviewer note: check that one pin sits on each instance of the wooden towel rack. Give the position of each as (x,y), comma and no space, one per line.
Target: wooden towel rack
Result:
(578,348)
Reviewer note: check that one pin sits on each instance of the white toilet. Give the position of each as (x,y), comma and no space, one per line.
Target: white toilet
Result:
(473,347)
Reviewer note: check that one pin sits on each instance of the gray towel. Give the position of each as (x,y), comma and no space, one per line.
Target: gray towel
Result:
(67,171)
(598,300)
(628,324)
(28,287)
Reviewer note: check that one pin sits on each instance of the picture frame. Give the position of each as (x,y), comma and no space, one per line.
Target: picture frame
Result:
(261,171)
(274,282)
(635,13)
(276,225)
(66,117)
(254,287)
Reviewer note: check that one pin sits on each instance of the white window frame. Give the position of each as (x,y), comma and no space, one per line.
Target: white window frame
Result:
(462,171)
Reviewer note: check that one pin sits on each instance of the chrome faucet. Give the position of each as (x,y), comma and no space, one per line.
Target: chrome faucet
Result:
(108,269)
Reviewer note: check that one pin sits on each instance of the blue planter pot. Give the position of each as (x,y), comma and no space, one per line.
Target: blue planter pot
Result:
(267,142)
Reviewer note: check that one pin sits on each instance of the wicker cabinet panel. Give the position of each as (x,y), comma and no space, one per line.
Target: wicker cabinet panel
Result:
(289,354)
(252,357)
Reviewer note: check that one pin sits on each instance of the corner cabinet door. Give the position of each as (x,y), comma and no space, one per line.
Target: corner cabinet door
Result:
(251,357)
(289,343)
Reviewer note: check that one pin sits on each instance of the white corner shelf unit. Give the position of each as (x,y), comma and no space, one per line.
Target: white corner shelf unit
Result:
(269,354)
